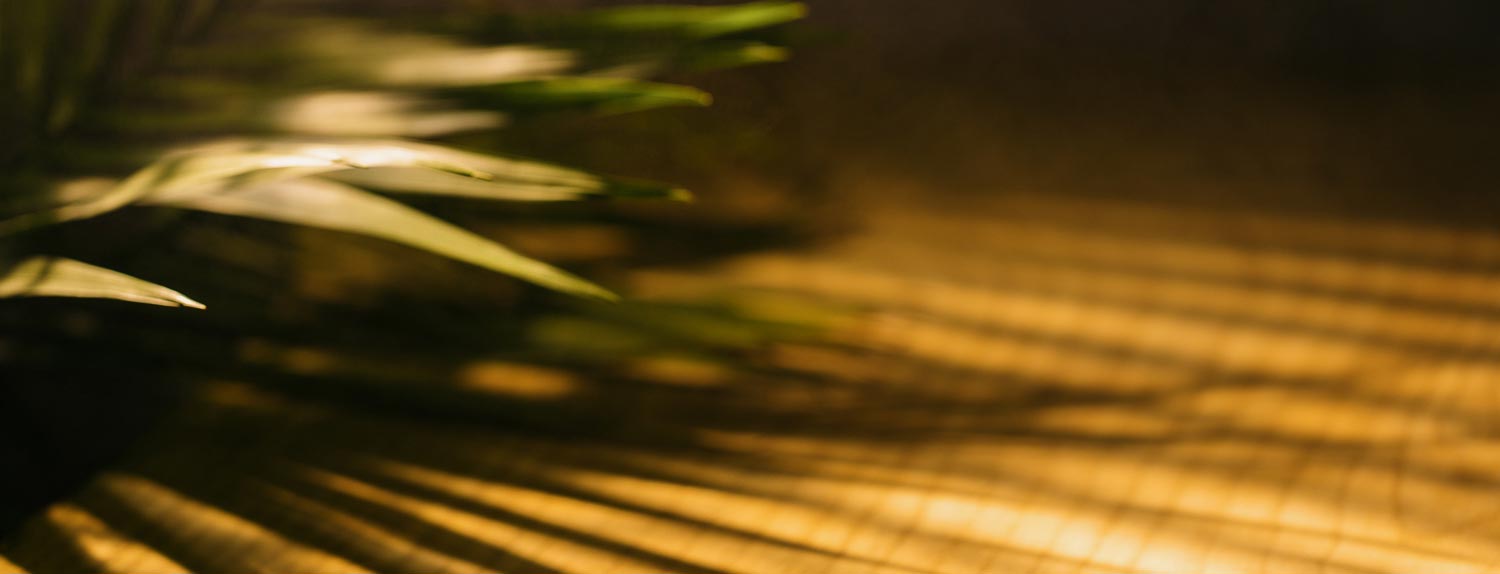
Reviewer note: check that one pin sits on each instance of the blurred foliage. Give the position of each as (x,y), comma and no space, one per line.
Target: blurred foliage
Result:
(96,89)
(290,163)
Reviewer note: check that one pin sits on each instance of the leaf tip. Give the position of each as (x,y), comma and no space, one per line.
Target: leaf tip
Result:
(174,299)
(592,291)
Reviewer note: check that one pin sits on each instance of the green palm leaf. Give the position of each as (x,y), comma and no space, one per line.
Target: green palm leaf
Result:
(695,22)
(331,205)
(354,84)
(598,94)
(402,166)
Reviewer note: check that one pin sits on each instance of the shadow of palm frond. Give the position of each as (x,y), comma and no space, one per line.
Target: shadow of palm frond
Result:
(1007,384)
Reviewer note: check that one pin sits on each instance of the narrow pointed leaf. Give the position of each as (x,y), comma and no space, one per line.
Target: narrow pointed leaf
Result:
(214,168)
(59,277)
(181,173)
(718,56)
(434,182)
(699,22)
(332,205)
(598,94)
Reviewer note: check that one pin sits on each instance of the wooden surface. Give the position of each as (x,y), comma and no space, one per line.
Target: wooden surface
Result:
(1012,384)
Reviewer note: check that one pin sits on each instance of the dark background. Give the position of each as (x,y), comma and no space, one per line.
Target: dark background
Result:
(1380,108)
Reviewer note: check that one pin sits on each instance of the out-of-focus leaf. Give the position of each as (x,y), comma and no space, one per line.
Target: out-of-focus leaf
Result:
(432,182)
(460,66)
(214,168)
(698,22)
(720,56)
(332,205)
(603,95)
(177,174)
(376,114)
(59,277)
(308,74)
(318,52)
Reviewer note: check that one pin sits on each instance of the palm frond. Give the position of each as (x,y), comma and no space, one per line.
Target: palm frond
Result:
(353,84)
(331,205)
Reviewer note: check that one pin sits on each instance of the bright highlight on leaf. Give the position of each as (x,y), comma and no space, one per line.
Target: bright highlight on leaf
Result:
(323,96)
(464,66)
(403,167)
(275,180)
(59,277)
(331,205)
(376,114)
(435,182)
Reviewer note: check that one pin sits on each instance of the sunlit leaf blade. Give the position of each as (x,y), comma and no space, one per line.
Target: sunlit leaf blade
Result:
(603,95)
(218,167)
(376,114)
(457,66)
(259,162)
(59,277)
(202,171)
(434,182)
(332,205)
(699,22)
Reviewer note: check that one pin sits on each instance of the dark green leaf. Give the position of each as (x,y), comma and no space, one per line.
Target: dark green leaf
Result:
(597,94)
